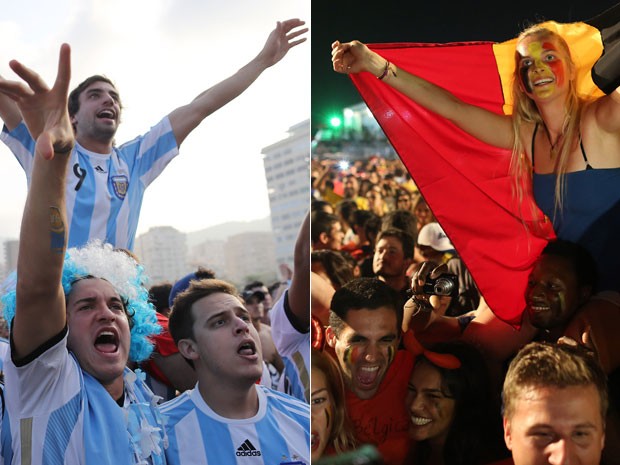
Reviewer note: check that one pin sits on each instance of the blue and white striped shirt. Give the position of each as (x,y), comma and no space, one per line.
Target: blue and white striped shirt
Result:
(56,417)
(104,191)
(277,434)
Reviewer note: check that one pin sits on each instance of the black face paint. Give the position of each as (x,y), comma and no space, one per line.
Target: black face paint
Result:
(524,79)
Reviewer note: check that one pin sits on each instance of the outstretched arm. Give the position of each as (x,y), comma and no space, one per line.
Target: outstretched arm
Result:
(355,57)
(285,36)
(299,291)
(40,311)
(9,112)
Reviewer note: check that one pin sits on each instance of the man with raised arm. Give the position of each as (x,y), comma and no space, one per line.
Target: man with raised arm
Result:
(75,319)
(105,184)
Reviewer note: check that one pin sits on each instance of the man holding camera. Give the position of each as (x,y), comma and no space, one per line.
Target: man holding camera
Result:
(364,333)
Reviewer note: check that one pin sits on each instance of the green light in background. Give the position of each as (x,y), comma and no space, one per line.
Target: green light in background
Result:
(335,122)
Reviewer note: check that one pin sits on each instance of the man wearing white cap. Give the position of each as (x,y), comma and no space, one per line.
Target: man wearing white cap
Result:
(434,245)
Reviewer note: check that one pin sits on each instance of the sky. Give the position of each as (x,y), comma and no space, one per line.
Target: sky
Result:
(161,54)
(437,21)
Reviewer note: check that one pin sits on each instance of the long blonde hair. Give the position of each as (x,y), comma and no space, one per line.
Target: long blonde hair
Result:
(526,111)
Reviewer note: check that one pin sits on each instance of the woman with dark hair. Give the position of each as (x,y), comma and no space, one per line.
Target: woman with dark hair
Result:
(455,416)
(333,266)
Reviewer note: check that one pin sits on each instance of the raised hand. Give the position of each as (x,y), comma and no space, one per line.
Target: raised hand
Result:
(44,110)
(351,57)
(281,40)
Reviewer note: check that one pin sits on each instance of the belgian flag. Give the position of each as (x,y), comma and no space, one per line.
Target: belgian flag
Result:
(466,182)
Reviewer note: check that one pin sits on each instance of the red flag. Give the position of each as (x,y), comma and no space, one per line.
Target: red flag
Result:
(467,182)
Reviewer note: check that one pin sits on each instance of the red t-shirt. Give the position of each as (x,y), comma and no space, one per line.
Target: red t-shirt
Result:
(164,346)
(384,420)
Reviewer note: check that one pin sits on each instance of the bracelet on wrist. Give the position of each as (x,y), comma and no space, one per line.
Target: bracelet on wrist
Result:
(385,71)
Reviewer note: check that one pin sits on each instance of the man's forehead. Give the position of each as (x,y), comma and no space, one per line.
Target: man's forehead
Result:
(390,241)
(216,303)
(101,86)
(362,321)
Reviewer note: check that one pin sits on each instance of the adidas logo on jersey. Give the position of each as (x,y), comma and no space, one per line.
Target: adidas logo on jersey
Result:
(247,448)
(99,169)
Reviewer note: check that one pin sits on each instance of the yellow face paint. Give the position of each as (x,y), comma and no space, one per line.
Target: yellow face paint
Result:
(541,66)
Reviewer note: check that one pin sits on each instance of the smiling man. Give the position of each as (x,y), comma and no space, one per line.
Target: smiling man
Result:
(105,184)
(364,332)
(555,404)
(234,416)
(561,281)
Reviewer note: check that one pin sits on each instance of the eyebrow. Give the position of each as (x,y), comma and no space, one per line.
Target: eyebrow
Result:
(98,90)
(317,391)
(217,315)
(93,299)
(243,310)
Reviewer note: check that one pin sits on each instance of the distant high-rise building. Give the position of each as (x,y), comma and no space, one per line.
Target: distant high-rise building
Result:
(163,253)
(250,256)
(11,250)
(209,254)
(287,169)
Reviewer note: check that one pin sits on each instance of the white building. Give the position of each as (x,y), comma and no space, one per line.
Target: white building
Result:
(209,254)
(250,256)
(163,253)
(287,169)
(11,249)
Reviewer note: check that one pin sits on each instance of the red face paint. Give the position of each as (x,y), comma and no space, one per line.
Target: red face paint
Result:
(542,61)
(352,354)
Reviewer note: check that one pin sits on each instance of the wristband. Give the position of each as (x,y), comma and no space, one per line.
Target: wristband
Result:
(385,71)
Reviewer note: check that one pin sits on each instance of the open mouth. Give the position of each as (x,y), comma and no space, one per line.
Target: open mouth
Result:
(314,440)
(247,349)
(543,82)
(420,421)
(367,375)
(107,342)
(106,114)
(538,308)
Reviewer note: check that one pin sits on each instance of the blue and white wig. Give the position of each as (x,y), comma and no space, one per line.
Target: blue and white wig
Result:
(124,274)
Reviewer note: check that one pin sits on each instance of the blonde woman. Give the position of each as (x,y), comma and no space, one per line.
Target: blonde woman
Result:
(564,146)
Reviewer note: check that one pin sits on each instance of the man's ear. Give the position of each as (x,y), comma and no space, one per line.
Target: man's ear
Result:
(323,238)
(507,433)
(330,337)
(188,349)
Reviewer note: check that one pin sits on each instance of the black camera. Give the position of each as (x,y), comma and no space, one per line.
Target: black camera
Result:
(444,284)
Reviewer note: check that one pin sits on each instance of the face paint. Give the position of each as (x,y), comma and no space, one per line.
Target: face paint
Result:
(562,298)
(391,352)
(352,355)
(538,65)
(328,417)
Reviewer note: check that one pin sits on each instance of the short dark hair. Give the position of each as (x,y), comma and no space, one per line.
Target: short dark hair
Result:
(580,258)
(345,209)
(320,205)
(406,240)
(181,320)
(158,296)
(401,219)
(362,293)
(321,222)
(74,97)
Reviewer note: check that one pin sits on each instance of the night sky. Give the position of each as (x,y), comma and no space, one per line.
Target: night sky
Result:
(419,21)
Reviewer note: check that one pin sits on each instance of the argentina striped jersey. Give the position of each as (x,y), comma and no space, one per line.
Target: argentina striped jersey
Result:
(104,192)
(277,434)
